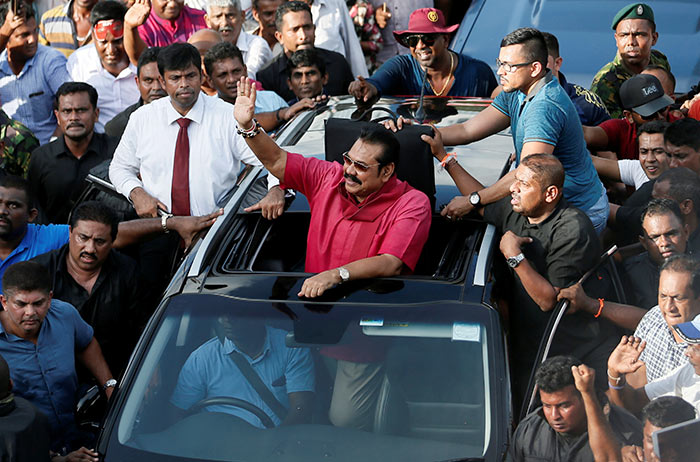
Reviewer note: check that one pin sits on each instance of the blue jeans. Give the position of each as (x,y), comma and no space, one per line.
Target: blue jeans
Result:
(599,213)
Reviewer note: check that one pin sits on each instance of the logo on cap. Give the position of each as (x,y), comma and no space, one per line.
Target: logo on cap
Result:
(650,90)
(640,10)
(432,16)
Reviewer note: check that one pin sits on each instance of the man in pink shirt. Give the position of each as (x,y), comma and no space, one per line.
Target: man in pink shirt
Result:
(365,223)
(168,21)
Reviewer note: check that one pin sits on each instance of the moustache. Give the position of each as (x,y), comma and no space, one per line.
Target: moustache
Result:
(226,29)
(88,254)
(75,125)
(352,177)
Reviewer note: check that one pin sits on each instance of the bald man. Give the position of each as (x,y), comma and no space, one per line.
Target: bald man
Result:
(203,40)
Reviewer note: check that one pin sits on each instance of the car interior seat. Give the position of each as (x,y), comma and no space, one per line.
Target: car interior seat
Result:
(415,159)
(433,389)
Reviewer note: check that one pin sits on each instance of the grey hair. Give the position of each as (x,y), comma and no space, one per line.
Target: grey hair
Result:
(224,4)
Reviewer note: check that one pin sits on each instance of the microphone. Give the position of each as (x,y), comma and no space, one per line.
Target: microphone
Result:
(420,112)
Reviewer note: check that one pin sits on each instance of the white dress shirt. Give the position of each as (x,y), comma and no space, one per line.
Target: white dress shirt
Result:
(336,32)
(114,93)
(147,148)
(255,50)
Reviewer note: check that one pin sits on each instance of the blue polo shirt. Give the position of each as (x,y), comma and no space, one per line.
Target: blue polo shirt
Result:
(402,75)
(210,372)
(38,239)
(45,373)
(28,96)
(547,115)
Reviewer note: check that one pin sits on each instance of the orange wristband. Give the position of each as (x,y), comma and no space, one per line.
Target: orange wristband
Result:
(447,158)
(601,301)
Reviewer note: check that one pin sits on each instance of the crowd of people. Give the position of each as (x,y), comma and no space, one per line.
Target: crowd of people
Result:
(168,98)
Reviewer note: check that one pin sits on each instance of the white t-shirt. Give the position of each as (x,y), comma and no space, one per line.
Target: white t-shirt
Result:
(682,382)
(632,173)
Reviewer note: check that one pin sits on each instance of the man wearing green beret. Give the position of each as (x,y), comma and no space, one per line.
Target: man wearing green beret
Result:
(635,34)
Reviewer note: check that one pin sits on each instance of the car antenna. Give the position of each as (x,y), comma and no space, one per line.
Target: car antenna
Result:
(420,112)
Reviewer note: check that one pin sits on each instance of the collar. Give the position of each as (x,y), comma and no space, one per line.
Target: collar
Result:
(375,204)
(5,63)
(195,114)
(548,77)
(62,149)
(229,347)
(129,72)
(168,24)
(244,39)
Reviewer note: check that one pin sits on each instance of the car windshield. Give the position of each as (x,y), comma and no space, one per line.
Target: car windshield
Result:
(192,398)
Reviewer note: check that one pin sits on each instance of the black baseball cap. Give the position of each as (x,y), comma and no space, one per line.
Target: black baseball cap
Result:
(644,95)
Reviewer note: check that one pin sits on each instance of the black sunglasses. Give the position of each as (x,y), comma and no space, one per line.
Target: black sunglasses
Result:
(427,39)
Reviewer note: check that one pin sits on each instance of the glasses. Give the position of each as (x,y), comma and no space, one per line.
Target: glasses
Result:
(412,40)
(657,115)
(359,166)
(510,67)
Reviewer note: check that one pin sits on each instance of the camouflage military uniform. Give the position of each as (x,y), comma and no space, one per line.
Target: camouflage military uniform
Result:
(610,77)
(18,142)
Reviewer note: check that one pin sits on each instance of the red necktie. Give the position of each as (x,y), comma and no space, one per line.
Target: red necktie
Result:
(180,193)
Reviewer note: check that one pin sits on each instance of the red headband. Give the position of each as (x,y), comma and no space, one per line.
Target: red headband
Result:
(116,28)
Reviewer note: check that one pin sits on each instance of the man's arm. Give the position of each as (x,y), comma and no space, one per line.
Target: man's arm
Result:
(596,138)
(135,231)
(537,286)
(625,360)
(485,123)
(626,316)
(270,155)
(600,436)
(92,359)
(371,267)
(606,168)
(300,407)
(135,16)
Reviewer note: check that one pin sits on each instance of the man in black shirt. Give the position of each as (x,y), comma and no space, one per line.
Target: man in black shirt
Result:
(295,31)
(150,87)
(571,424)
(57,170)
(100,282)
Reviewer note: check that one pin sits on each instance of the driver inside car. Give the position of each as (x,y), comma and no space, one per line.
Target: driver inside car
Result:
(248,361)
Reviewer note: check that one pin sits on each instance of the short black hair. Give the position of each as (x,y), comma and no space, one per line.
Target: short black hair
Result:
(663,207)
(669,74)
(289,7)
(378,135)
(149,55)
(684,132)
(552,44)
(68,88)
(26,7)
(219,52)
(685,264)
(26,276)
(95,211)
(16,182)
(665,411)
(534,43)
(307,57)
(654,127)
(178,56)
(107,9)
(547,169)
(683,184)
(555,373)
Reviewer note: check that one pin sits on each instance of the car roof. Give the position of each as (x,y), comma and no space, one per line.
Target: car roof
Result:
(583,28)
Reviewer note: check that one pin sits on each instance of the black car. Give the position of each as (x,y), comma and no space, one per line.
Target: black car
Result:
(444,390)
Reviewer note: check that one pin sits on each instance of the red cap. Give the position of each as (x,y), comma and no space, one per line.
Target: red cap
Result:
(426,21)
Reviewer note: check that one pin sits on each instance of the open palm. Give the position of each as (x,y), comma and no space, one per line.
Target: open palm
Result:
(625,358)
(244,109)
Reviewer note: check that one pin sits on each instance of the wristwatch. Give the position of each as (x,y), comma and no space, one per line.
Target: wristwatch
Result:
(515,261)
(344,274)
(475,199)
(111,383)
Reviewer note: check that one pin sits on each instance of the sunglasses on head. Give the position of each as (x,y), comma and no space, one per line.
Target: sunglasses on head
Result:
(359,166)
(427,39)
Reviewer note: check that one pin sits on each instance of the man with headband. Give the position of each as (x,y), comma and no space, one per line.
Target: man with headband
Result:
(104,64)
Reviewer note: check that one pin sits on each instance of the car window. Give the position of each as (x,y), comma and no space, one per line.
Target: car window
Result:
(189,398)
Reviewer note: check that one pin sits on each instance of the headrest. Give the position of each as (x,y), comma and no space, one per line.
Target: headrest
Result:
(415,159)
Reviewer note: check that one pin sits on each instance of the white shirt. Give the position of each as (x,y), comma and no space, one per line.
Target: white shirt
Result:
(682,382)
(114,93)
(336,32)
(255,50)
(632,173)
(147,148)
